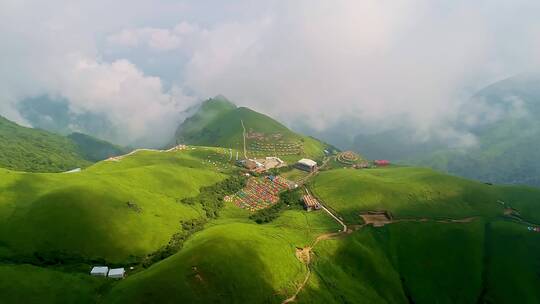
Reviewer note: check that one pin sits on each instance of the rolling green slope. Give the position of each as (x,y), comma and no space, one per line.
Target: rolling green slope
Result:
(490,258)
(27,149)
(233,260)
(84,217)
(35,150)
(218,122)
(418,192)
(87,214)
(477,262)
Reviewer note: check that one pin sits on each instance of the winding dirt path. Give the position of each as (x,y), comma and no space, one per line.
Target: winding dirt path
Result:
(120,157)
(305,257)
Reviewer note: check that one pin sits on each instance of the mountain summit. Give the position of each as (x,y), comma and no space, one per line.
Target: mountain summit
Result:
(220,123)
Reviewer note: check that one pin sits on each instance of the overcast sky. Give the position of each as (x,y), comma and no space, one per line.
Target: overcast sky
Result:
(139,63)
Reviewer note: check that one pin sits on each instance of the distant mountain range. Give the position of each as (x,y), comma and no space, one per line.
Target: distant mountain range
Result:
(503,118)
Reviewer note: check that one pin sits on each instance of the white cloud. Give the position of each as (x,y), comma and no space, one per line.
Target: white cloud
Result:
(158,39)
(388,64)
(135,104)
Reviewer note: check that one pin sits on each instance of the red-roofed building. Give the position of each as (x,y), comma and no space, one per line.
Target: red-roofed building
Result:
(382,162)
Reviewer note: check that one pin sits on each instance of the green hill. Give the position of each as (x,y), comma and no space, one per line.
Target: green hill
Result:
(54,227)
(477,262)
(249,263)
(418,192)
(28,149)
(218,122)
(35,150)
(424,257)
(103,212)
(450,240)
(94,149)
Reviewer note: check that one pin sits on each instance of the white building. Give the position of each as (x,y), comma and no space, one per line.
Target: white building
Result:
(117,273)
(306,165)
(99,271)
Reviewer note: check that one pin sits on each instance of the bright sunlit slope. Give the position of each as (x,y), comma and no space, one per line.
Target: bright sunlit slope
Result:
(114,210)
(450,234)
(418,192)
(233,260)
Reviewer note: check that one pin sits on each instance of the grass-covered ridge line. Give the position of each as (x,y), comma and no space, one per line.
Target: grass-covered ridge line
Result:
(35,150)
(27,149)
(218,122)
(417,192)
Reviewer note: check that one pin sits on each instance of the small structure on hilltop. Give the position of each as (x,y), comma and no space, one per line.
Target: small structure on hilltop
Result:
(99,271)
(382,163)
(117,273)
(306,165)
(310,203)
(376,218)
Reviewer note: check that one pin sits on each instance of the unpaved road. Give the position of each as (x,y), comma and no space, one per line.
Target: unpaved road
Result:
(120,157)
(306,251)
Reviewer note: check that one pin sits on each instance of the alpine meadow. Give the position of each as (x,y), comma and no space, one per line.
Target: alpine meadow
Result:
(269,152)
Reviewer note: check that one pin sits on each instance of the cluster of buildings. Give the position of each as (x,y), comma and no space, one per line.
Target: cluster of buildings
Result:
(261,165)
(104,271)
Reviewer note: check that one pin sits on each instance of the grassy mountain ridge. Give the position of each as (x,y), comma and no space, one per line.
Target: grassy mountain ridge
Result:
(54,227)
(423,257)
(35,150)
(218,122)
(28,149)
(232,259)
